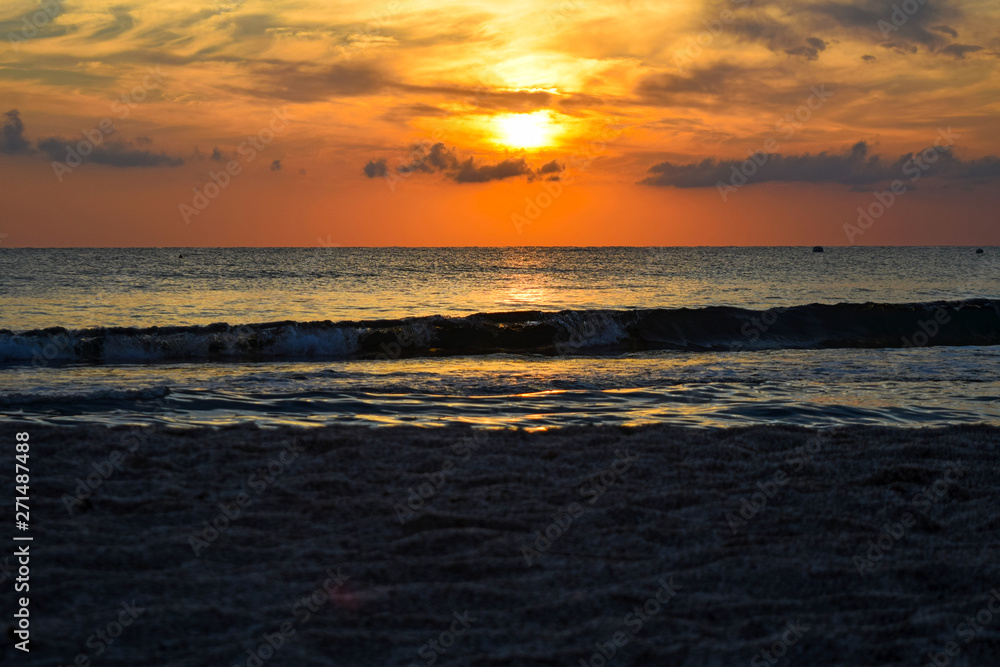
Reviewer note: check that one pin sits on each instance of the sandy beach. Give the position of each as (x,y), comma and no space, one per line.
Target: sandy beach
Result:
(649,546)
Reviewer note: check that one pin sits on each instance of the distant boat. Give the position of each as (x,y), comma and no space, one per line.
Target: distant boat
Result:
(818,248)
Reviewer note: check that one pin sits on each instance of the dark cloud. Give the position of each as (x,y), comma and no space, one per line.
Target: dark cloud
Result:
(112,153)
(39,22)
(778,36)
(202,15)
(306,83)
(764,29)
(472,173)
(122,22)
(376,168)
(550,168)
(276,165)
(811,49)
(855,166)
(868,58)
(252,25)
(428,160)
(669,88)
(57,77)
(959,50)
(407,112)
(12,139)
(948,30)
(438,158)
(485,97)
(900,47)
(885,20)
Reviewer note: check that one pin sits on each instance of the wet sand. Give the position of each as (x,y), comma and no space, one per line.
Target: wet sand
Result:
(650,546)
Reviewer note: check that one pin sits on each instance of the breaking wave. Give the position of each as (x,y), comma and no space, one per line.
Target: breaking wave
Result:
(571,332)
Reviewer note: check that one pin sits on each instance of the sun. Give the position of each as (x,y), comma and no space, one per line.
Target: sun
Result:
(524,130)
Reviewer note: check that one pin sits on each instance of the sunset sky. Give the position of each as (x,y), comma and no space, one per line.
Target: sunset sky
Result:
(570,122)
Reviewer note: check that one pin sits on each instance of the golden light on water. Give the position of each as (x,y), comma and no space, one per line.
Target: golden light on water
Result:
(524,130)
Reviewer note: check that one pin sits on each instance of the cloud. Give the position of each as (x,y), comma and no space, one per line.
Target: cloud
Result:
(811,49)
(407,112)
(202,15)
(959,50)
(471,173)
(306,83)
(252,25)
(12,139)
(438,158)
(869,58)
(36,23)
(550,168)
(885,20)
(123,22)
(856,166)
(486,97)
(948,30)
(762,28)
(376,168)
(670,88)
(113,153)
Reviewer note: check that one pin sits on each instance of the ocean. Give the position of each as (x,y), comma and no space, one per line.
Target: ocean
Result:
(537,338)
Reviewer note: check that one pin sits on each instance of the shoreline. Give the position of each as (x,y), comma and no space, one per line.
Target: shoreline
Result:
(356,546)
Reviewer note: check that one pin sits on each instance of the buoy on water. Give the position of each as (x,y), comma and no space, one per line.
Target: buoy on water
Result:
(979,251)
(818,248)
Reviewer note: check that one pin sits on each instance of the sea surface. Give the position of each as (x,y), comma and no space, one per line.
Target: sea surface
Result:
(498,337)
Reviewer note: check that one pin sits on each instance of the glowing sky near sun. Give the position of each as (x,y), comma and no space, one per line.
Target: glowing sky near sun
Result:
(571,122)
